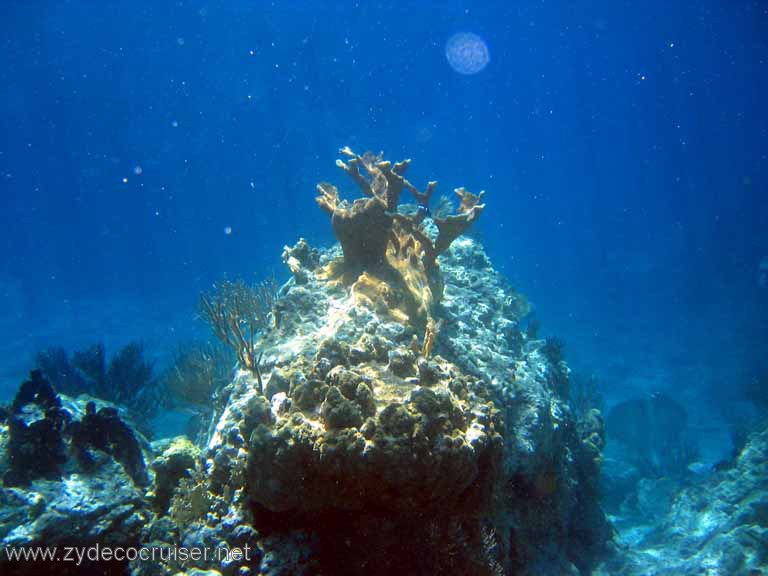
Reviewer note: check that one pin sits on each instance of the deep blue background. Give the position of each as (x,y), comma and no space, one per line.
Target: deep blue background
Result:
(622,145)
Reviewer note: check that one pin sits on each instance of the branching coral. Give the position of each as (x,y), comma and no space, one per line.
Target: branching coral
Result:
(394,245)
(198,372)
(238,314)
(126,380)
(129,376)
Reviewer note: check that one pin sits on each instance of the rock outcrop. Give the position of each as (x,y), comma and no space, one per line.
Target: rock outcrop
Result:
(717,526)
(73,476)
(368,457)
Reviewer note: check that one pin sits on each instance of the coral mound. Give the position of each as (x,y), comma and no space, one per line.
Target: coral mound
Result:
(403,423)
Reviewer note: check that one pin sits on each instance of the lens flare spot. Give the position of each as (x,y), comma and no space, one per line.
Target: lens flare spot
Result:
(467,53)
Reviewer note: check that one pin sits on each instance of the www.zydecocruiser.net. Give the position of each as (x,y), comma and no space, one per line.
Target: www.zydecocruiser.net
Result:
(97,553)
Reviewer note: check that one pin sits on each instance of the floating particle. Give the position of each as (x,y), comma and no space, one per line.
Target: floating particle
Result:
(138,170)
(175,123)
(228,230)
(467,53)
(125,180)
(180,41)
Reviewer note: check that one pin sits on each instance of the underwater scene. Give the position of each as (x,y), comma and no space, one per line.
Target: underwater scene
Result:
(301,288)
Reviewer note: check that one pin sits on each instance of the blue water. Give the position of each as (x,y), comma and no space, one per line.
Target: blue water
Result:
(148,149)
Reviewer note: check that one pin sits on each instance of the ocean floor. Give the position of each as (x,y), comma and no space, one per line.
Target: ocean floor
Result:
(712,525)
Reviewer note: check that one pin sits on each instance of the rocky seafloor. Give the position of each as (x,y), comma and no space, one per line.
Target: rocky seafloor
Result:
(716,525)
